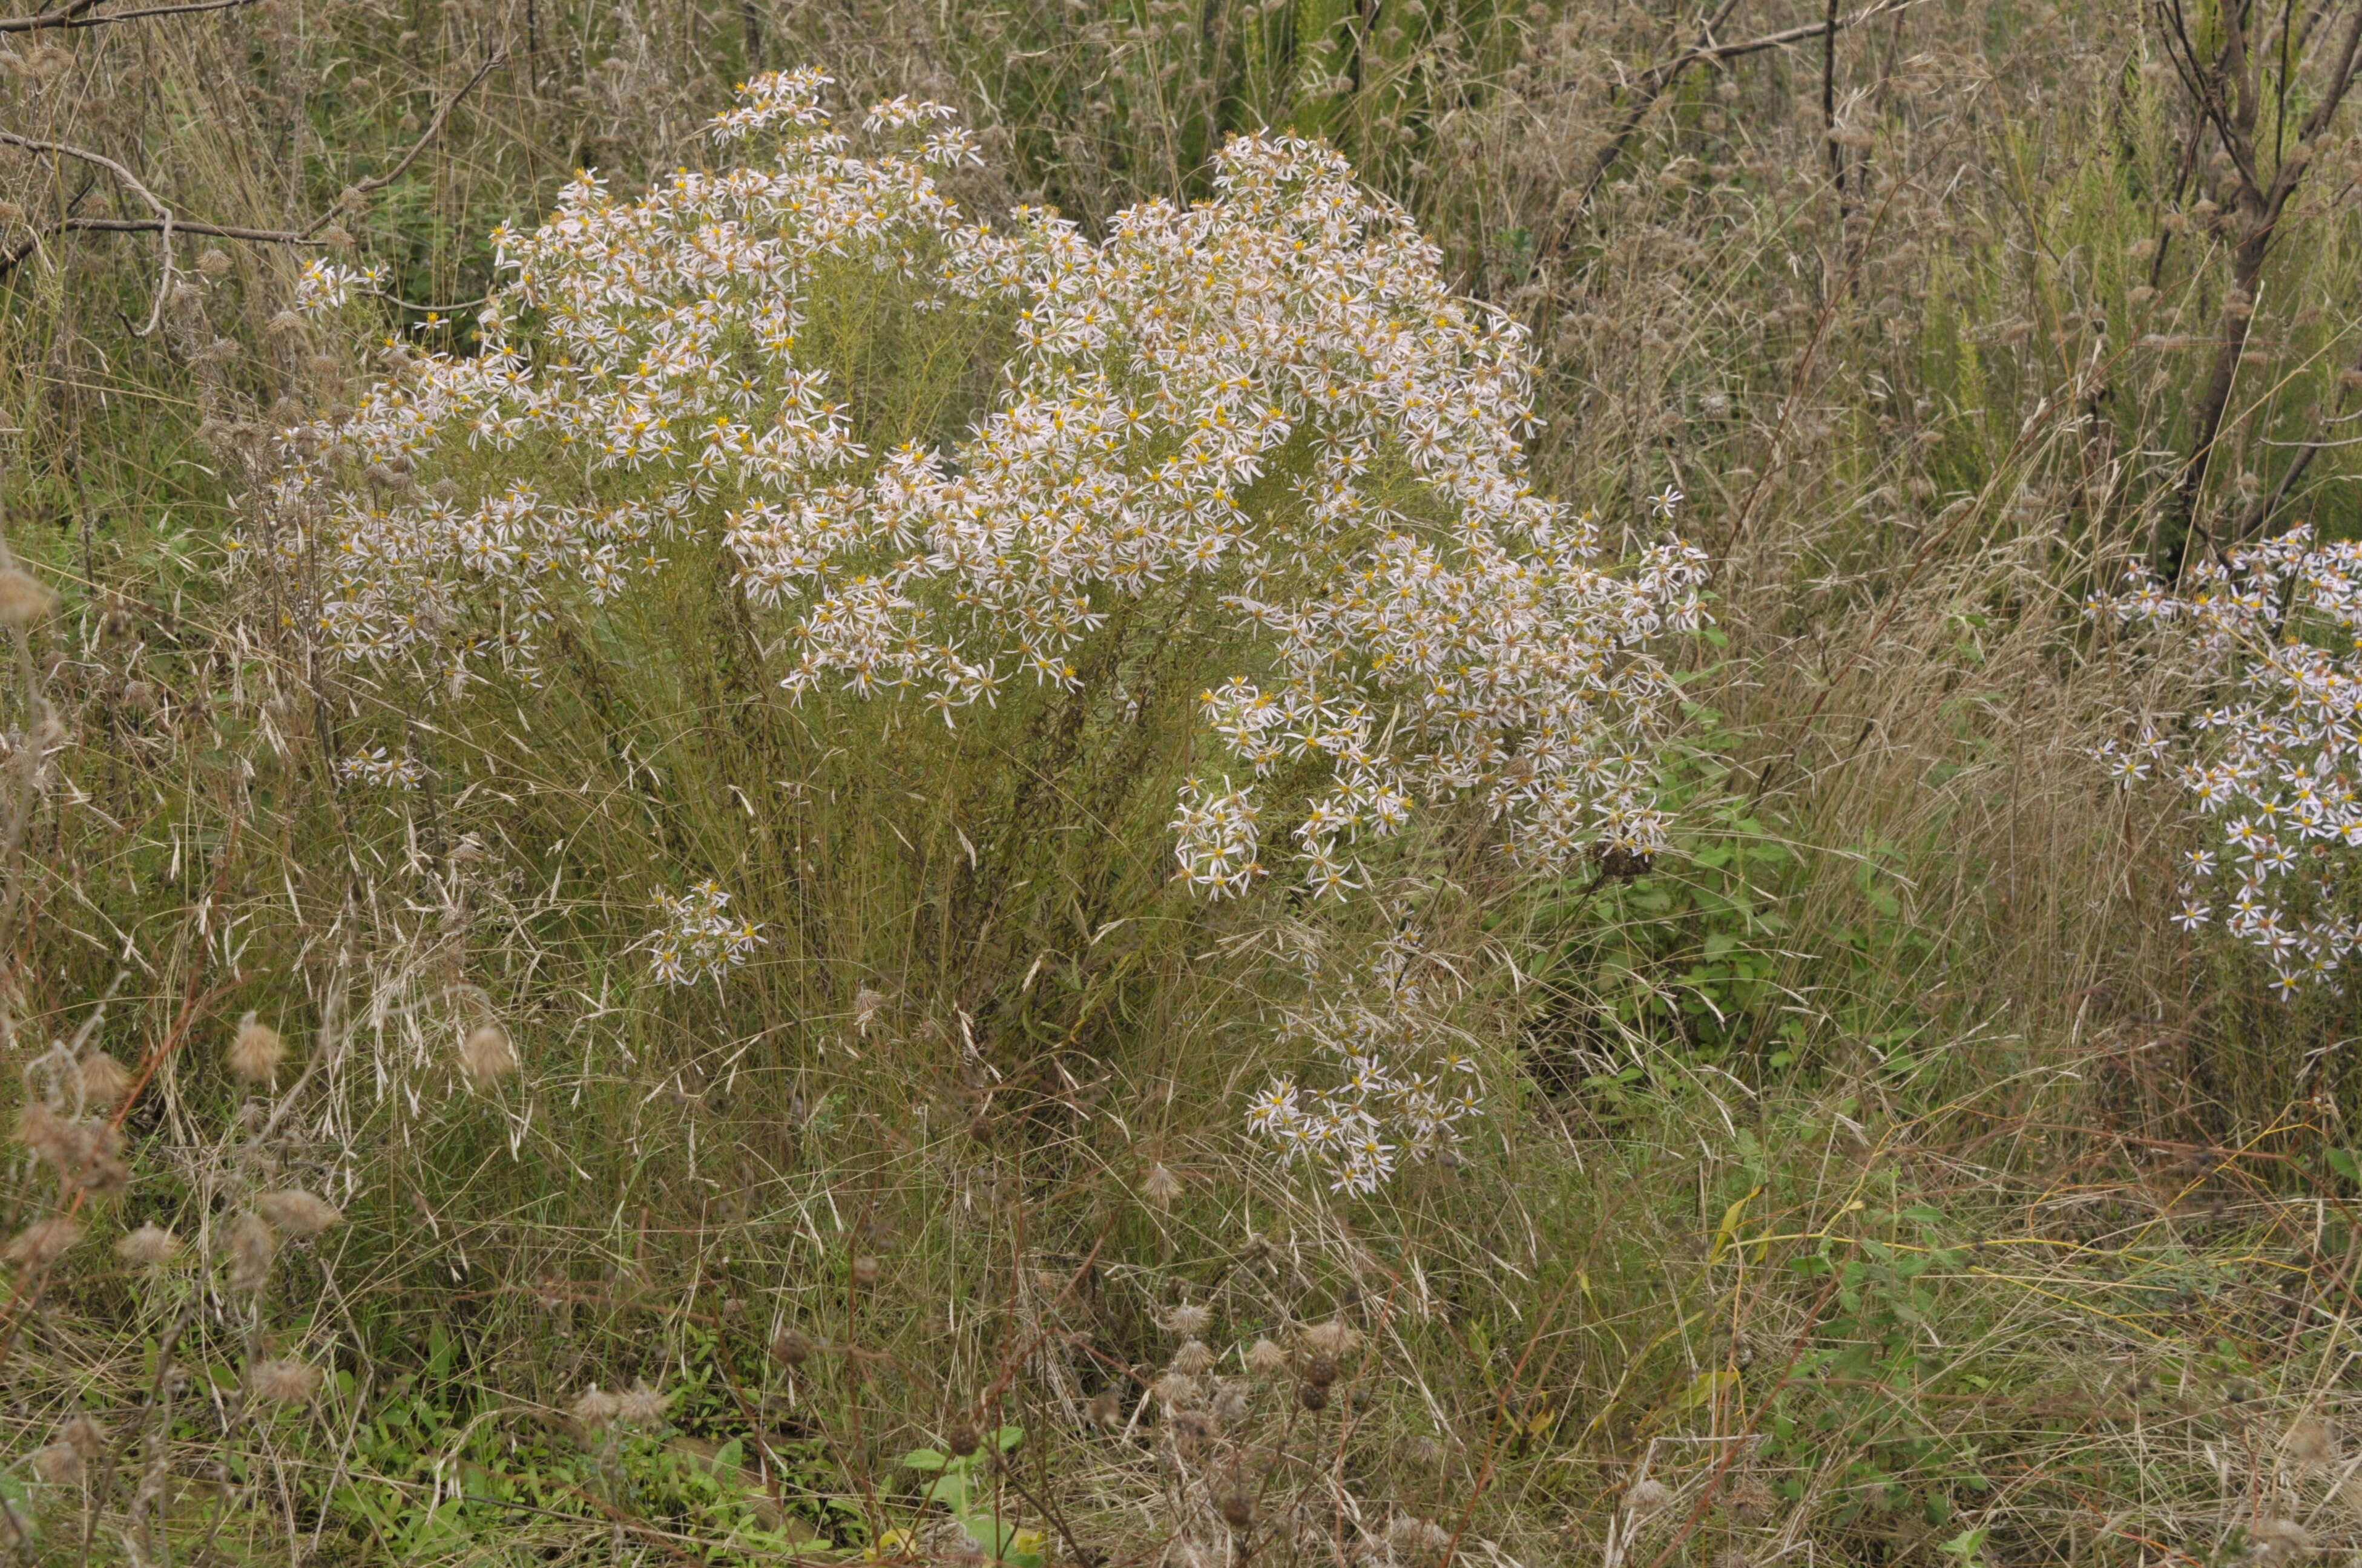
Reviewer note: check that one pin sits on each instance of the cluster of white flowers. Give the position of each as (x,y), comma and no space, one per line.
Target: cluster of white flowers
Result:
(2274,769)
(374,769)
(1272,391)
(699,940)
(1408,1083)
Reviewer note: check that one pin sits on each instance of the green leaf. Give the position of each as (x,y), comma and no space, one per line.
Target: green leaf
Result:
(922,1459)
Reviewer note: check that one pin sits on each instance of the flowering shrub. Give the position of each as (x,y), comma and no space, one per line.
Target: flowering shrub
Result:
(1272,393)
(1407,1080)
(2272,768)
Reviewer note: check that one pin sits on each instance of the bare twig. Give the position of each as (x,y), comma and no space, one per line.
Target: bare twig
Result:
(79,15)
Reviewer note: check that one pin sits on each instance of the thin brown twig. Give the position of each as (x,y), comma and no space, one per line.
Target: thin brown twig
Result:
(78,14)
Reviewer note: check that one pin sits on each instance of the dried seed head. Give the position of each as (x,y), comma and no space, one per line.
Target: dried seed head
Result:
(253,1248)
(1191,1432)
(2312,1444)
(43,1242)
(1317,1369)
(962,1439)
(1239,1509)
(1105,1408)
(486,1056)
(213,263)
(1336,1338)
(85,1434)
(151,1245)
(285,1382)
(284,324)
(1185,1321)
(295,1213)
(1312,1396)
(865,1270)
(1192,1358)
(24,600)
(1160,1187)
(1266,1359)
(595,1408)
(255,1051)
(866,1005)
(1231,1400)
(105,1081)
(1643,1498)
(789,1347)
(1422,1450)
(1176,1390)
(1749,1500)
(2277,1542)
(641,1406)
(1731,1557)
(59,1464)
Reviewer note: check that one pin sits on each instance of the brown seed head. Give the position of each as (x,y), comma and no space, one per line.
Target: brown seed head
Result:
(1175,1390)
(151,1245)
(865,1270)
(2278,1541)
(1192,1358)
(962,1439)
(1239,1509)
(285,1382)
(1191,1432)
(43,1242)
(1336,1339)
(1643,1498)
(1159,1186)
(641,1406)
(486,1056)
(255,1051)
(1312,1396)
(2312,1444)
(1185,1321)
(1266,1359)
(1749,1500)
(1233,1399)
(24,600)
(1105,1408)
(789,1347)
(85,1434)
(59,1464)
(595,1408)
(1318,1368)
(295,1213)
(105,1081)
(253,1248)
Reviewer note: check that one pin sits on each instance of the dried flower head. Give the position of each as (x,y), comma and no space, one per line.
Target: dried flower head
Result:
(1159,1186)
(641,1406)
(1238,1508)
(255,1051)
(1192,1358)
(595,1408)
(2313,1443)
(962,1439)
(1643,1498)
(1176,1390)
(1312,1396)
(24,600)
(105,1081)
(150,1246)
(2275,1542)
(1335,1338)
(790,1347)
(1265,1359)
(1234,1399)
(85,1434)
(253,1248)
(487,1056)
(867,1270)
(281,1381)
(1749,1500)
(1105,1408)
(295,1213)
(1191,1430)
(213,262)
(59,1464)
(1316,1367)
(1185,1321)
(43,1242)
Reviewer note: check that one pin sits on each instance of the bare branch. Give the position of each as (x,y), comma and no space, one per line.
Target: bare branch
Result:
(79,15)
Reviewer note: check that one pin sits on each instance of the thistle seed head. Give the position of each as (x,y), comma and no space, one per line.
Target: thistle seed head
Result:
(253,1248)
(1265,1359)
(1159,1186)
(486,1056)
(85,1434)
(43,1242)
(255,1051)
(59,1464)
(595,1408)
(295,1213)
(641,1406)
(1185,1321)
(150,1246)
(285,1382)
(1643,1498)
(1192,1358)
(105,1081)
(24,600)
